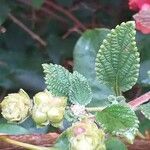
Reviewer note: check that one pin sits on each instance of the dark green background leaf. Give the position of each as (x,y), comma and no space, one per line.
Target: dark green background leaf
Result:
(85,52)
(12,129)
(4,10)
(145,110)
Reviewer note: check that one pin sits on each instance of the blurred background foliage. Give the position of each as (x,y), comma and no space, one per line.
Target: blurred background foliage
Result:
(58,25)
(33,32)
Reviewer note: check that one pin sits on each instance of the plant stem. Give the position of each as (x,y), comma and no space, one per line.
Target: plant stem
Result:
(26,29)
(140,100)
(140,135)
(25,145)
(67,13)
(93,109)
(117,88)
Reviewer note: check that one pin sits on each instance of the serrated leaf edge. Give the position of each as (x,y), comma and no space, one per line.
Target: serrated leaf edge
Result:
(121,130)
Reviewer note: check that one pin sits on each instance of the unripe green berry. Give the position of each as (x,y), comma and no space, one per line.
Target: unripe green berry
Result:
(39,117)
(50,109)
(16,106)
(59,102)
(55,115)
(42,97)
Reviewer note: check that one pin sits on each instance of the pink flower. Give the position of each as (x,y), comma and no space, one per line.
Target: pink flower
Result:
(142,18)
(139,4)
(79,130)
(143,21)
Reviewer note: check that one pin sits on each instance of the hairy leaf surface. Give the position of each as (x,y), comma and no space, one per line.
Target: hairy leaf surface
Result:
(57,79)
(117,62)
(80,91)
(119,120)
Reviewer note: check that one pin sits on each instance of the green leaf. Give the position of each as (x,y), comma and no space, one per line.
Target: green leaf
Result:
(143,44)
(59,49)
(80,91)
(37,3)
(145,110)
(114,144)
(144,125)
(4,10)
(85,52)
(30,125)
(117,117)
(117,62)
(119,120)
(57,79)
(12,129)
(62,142)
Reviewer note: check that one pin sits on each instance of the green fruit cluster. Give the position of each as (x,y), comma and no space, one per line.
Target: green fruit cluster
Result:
(48,109)
(16,107)
(45,108)
(85,135)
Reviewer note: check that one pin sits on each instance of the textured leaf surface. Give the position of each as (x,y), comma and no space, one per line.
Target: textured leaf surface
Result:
(57,79)
(85,52)
(80,91)
(114,144)
(119,120)
(145,109)
(117,62)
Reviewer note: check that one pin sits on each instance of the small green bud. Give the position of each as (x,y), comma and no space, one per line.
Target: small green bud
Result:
(48,109)
(39,117)
(55,115)
(85,135)
(60,102)
(16,106)
(42,97)
(39,114)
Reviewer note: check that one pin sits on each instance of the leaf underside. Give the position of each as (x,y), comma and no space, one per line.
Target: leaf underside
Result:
(80,91)
(117,62)
(56,79)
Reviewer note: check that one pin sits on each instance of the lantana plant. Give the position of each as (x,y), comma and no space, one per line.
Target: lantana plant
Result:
(68,95)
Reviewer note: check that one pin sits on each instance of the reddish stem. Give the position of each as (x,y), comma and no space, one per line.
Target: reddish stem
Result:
(140,100)
(66,12)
